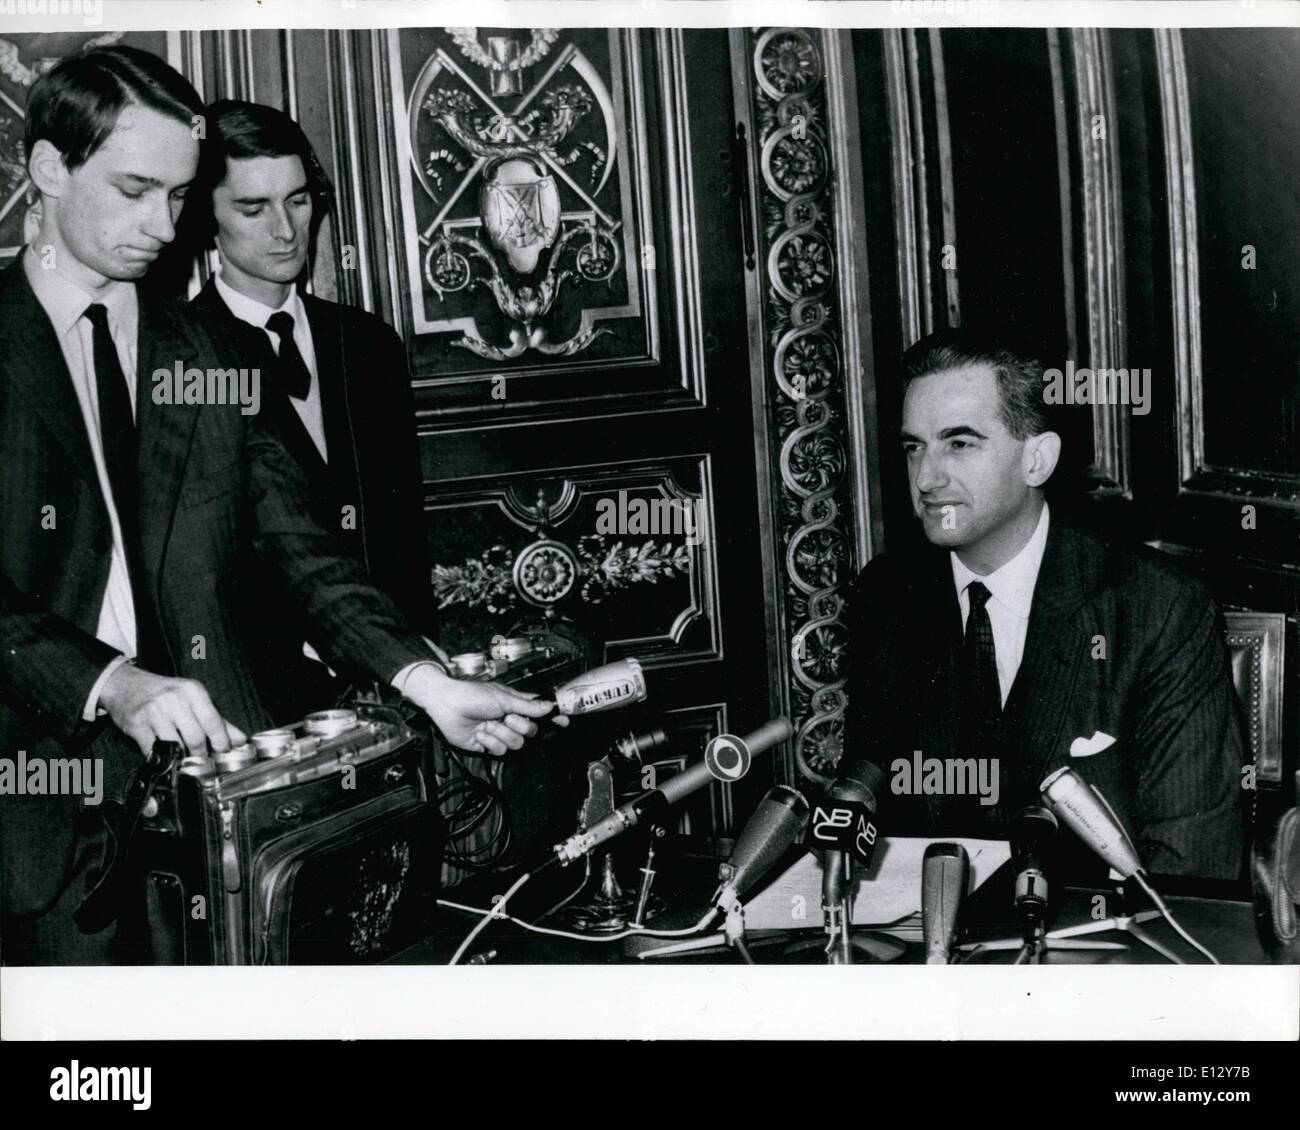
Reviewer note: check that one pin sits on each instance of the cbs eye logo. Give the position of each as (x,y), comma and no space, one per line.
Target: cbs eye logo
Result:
(727,757)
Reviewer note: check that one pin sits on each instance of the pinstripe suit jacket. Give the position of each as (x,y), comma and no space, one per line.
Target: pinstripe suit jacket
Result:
(214,487)
(1119,641)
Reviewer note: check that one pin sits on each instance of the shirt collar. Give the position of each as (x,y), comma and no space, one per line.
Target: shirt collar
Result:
(65,302)
(256,313)
(1012,583)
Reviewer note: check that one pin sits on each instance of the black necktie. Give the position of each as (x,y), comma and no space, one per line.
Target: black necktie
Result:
(117,437)
(294,374)
(983,696)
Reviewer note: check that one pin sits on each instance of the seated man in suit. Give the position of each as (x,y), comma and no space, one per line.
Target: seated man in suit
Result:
(339,384)
(1012,644)
(128,512)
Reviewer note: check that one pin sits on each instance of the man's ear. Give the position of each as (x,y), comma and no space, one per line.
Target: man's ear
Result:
(1040,457)
(46,168)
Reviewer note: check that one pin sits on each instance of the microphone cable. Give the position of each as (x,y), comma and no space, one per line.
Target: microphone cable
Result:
(496,910)
(1163,907)
(467,803)
(632,931)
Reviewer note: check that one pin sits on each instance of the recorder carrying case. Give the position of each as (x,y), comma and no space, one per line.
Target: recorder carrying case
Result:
(320,844)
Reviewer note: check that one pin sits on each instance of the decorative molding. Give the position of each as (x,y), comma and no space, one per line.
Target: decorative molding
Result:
(854,295)
(1195,475)
(1259,639)
(908,99)
(537,176)
(948,203)
(1103,246)
(1065,190)
(911,221)
(552,556)
(801,328)
(354,214)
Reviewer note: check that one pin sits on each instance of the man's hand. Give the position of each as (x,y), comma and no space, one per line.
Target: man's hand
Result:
(148,708)
(478,717)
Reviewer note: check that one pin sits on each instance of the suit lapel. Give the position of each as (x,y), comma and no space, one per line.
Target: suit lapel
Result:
(1038,704)
(163,431)
(34,361)
(331,371)
(938,650)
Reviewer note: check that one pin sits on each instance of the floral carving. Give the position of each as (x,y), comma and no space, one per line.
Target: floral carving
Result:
(547,572)
(796,165)
(808,416)
(789,61)
(804,264)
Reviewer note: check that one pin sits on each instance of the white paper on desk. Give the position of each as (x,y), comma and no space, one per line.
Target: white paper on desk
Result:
(889,891)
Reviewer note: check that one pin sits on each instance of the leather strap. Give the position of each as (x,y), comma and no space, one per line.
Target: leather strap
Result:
(121,819)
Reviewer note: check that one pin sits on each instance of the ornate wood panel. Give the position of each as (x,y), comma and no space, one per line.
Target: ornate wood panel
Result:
(545,233)
(557,203)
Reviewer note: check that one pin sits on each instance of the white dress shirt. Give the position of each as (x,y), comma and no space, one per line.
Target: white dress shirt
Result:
(257,314)
(65,304)
(1011,593)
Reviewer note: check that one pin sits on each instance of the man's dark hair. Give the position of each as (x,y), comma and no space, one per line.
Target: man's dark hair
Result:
(1019,378)
(75,105)
(239,130)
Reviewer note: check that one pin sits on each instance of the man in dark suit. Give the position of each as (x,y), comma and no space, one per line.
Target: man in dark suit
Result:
(338,383)
(127,511)
(1019,643)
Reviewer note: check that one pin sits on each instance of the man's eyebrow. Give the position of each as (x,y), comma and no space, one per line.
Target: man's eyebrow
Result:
(947,433)
(263,199)
(153,182)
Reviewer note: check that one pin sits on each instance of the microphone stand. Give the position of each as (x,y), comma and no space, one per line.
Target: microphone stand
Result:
(1074,938)
(731,936)
(843,941)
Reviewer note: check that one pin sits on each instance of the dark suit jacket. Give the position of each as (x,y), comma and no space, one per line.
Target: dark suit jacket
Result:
(1162,690)
(214,487)
(374,467)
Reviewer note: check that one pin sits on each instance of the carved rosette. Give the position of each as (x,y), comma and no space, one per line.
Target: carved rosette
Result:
(797,213)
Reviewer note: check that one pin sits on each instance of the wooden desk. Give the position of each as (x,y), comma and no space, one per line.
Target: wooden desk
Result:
(1224,925)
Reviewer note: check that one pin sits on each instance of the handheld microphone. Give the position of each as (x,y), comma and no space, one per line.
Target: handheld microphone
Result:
(778,821)
(727,759)
(945,873)
(1033,835)
(1085,811)
(602,688)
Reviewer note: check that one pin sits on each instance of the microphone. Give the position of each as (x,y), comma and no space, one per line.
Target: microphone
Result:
(1087,814)
(727,758)
(1033,835)
(845,825)
(1085,811)
(778,821)
(602,688)
(945,873)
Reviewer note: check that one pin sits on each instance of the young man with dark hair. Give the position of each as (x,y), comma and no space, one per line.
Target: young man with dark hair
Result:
(1014,644)
(126,516)
(338,383)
